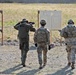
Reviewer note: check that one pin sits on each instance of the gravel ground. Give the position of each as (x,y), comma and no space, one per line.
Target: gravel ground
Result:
(56,62)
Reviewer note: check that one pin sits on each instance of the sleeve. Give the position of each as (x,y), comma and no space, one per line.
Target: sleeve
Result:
(74,32)
(35,37)
(17,25)
(48,37)
(32,28)
(62,32)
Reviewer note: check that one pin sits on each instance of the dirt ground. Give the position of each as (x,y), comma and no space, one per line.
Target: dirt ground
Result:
(10,63)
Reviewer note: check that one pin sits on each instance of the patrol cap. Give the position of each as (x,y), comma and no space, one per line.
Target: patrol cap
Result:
(70,21)
(24,20)
(43,22)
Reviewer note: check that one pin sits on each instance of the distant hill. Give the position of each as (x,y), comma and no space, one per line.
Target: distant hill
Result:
(38,1)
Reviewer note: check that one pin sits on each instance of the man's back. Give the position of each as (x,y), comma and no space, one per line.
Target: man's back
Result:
(68,31)
(42,35)
(23,29)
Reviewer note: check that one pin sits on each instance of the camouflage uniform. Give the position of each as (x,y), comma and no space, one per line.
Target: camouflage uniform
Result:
(69,33)
(23,35)
(42,44)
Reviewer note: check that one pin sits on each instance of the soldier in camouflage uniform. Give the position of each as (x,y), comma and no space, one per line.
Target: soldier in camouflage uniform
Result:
(42,40)
(23,34)
(69,33)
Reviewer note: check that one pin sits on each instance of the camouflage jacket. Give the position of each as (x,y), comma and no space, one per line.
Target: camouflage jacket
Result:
(38,38)
(71,34)
(69,31)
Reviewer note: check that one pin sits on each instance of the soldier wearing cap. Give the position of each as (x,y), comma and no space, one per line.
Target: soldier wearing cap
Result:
(69,33)
(42,40)
(23,34)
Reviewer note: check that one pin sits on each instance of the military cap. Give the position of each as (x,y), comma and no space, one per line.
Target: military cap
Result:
(24,19)
(43,22)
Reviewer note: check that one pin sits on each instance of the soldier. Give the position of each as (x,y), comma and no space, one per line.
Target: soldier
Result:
(42,39)
(69,33)
(23,28)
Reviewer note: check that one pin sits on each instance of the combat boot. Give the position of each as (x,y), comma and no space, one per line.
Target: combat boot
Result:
(44,65)
(40,67)
(69,64)
(23,65)
(73,67)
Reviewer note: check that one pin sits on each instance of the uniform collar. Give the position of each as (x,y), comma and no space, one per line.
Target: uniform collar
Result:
(70,25)
(42,27)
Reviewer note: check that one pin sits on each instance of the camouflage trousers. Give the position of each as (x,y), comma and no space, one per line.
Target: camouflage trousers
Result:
(42,51)
(24,47)
(71,51)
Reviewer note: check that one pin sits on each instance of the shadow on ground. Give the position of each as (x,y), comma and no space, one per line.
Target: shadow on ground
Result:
(10,70)
(32,48)
(23,72)
(30,72)
(63,71)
